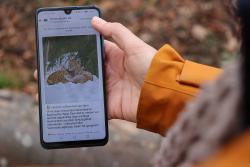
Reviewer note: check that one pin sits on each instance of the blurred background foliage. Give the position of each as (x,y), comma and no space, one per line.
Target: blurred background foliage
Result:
(200,30)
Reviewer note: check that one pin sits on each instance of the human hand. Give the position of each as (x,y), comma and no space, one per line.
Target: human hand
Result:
(127,61)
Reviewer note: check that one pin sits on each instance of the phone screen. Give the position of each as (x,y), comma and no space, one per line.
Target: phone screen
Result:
(71,77)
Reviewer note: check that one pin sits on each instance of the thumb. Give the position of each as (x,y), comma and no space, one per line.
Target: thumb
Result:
(122,36)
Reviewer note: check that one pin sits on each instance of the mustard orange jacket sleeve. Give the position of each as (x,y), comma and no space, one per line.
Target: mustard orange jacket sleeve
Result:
(170,83)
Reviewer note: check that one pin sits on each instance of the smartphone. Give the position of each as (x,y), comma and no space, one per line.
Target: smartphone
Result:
(72,105)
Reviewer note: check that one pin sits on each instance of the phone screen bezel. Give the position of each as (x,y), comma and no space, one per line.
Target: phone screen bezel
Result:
(70,144)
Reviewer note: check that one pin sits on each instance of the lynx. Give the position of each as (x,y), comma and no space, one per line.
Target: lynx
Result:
(57,77)
(78,72)
(75,73)
(74,67)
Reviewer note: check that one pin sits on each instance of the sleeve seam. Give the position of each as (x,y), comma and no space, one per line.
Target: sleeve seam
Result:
(151,83)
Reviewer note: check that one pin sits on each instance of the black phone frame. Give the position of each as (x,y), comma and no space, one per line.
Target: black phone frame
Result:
(70,144)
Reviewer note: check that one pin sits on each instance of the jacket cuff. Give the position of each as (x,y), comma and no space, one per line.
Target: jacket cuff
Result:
(169,84)
(197,74)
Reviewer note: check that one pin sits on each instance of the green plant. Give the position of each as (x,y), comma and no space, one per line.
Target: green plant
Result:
(9,81)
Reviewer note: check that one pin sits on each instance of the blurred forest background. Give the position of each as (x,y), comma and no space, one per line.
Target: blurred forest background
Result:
(200,30)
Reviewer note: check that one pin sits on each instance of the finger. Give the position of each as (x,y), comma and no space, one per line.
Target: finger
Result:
(108,46)
(113,56)
(122,36)
(111,47)
(37,98)
(35,74)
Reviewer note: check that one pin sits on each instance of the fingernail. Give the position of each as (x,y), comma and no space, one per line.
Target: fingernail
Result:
(98,20)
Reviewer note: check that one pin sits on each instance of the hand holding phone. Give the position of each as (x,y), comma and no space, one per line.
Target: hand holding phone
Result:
(72,102)
(127,60)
